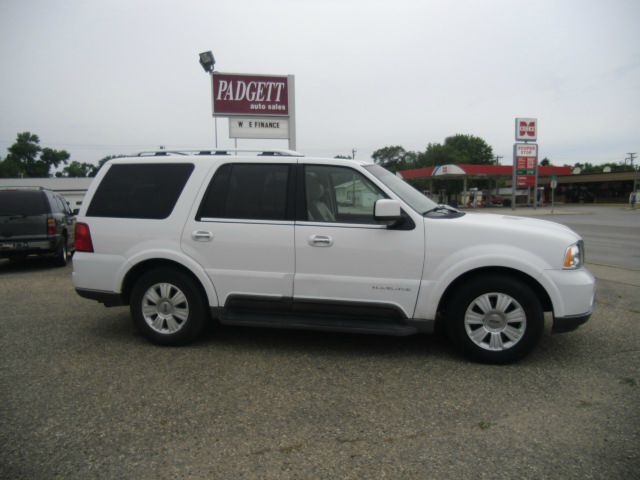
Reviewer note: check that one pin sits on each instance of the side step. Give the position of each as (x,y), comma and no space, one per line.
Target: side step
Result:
(319,323)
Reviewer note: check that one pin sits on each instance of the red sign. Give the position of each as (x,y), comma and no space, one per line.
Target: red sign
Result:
(526,129)
(250,94)
(525,164)
(525,180)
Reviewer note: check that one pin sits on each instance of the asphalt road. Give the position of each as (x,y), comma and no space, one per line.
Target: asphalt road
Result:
(83,396)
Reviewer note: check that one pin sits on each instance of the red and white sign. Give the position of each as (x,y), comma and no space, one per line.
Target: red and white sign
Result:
(237,94)
(525,164)
(526,129)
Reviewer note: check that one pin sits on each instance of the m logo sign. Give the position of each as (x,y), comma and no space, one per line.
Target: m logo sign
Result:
(526,129)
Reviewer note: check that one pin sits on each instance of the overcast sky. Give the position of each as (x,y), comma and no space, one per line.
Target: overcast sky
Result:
(110,77)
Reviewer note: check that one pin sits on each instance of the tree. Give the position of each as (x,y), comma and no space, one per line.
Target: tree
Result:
(27,159)
(458,148)
(77,169)
(545,162)
(393,158)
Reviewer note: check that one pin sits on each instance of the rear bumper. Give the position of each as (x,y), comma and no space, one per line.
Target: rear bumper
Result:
(568,324)
(9,248)
(108,299)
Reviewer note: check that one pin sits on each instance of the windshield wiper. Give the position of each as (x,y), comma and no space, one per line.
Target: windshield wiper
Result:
(441,208)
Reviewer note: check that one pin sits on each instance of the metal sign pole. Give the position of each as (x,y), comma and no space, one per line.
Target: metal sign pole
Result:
(513,179)
(213,112)
(536,193)
(292,112)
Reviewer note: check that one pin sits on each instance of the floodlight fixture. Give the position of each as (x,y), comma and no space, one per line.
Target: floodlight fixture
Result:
(207,61)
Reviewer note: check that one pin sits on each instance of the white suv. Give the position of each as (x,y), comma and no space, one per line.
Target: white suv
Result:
(281,240)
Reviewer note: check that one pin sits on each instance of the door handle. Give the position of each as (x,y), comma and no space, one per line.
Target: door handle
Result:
(202,236)
(320,241)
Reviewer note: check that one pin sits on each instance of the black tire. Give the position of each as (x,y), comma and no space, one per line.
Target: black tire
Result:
(494,319)
(61,255)
(176,310)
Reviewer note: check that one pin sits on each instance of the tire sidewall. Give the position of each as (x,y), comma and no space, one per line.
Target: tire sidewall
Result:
(197,306)
(519,291)
(61,253)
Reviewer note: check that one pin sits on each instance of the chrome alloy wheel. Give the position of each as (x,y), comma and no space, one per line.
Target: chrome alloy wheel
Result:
(165,308)
(495,321)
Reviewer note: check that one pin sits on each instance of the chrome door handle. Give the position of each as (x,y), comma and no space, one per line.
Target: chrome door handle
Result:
(320,241)
(202,236)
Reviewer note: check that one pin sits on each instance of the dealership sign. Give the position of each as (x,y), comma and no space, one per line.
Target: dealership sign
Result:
(526,129)
(237,94)
(258,127)
(525,164)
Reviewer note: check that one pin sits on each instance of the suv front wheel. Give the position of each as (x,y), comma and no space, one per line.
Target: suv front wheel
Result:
(495,319)
(168,307)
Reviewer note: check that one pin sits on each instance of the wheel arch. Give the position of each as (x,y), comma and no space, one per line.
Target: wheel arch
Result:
(145,266)
(532,283)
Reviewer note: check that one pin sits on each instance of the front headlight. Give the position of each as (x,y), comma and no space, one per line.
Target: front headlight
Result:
(574,256)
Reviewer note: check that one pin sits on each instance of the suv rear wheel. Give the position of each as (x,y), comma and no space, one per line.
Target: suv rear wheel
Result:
(495,319)
(168,307)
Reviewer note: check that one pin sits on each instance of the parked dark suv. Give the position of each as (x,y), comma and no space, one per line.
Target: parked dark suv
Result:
(35,221)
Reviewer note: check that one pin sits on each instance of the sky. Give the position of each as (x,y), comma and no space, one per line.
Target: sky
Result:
(121,76)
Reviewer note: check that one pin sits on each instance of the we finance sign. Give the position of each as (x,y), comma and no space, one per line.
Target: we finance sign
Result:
(238,94)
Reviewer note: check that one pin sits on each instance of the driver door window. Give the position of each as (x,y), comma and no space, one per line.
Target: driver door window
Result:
(340,195)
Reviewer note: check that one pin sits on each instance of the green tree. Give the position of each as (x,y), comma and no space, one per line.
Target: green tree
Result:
(458,148)
(27,159)
(77,169)
(469,149)
(545,162)
(394,158)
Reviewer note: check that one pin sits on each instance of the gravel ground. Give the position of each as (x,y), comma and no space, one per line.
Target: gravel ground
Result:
(83,396)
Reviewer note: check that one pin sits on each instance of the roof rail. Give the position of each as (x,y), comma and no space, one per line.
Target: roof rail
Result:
(24,187)
(220,151)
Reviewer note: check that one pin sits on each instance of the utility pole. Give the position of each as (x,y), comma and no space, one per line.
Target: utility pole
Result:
(631,158)
(353,153)
(498,158)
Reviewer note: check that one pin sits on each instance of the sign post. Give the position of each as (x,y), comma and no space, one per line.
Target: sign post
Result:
(525,159)
(554,185)
(258,106)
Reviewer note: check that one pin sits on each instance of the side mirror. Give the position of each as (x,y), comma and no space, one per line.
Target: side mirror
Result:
(387,211)
(76,211)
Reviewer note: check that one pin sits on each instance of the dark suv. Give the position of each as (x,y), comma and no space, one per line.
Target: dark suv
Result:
(35,221)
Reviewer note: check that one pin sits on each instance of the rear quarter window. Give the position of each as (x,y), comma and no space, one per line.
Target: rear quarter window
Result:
(148,190)
(23,202)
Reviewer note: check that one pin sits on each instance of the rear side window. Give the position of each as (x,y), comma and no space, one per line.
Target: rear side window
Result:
(148,190)
(23,202)
(248,191)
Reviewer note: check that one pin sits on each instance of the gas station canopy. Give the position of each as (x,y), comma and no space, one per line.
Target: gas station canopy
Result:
(460,171)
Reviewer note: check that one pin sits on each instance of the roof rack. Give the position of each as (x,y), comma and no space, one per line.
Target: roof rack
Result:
(23,187)
(219,151)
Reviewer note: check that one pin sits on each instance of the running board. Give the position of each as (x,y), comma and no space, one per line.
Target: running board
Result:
(319,323)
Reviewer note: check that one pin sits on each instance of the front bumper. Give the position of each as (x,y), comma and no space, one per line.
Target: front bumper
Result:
(569,324)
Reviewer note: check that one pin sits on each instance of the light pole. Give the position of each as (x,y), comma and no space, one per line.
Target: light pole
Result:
(632,156)
(208,62)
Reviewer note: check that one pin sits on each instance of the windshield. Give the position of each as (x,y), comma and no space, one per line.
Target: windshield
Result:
(406,192)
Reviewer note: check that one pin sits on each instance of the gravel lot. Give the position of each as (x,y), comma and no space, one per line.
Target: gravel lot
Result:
(83,396)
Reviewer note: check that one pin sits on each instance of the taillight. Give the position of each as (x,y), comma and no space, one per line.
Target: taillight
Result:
(51,226)
(83,238)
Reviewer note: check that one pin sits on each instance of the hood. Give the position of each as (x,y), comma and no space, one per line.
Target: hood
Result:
(521,224)
(500,233)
